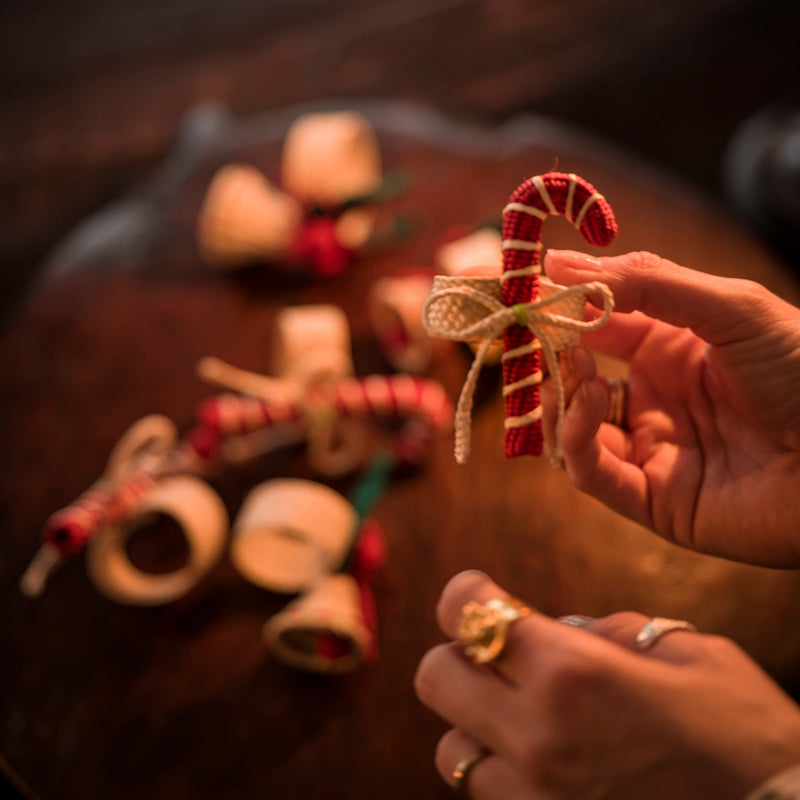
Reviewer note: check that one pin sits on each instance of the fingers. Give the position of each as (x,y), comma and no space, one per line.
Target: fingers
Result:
(578,373)
(491,777)
(556,666)
(594,468)
(620,336)
(465,587)
(621,628)
(528,640)
(485,701)
(476,699)
(469,586)
(665,291)
(596,455)
(576,366)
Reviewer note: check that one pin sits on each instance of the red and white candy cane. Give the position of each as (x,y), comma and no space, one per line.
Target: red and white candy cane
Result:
(529,205)
(423,402)
(141,456)
(232,414)
(70,529)
(143,453)
(375,396)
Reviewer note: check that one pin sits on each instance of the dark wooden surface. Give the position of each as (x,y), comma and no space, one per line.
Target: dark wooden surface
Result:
(102,700)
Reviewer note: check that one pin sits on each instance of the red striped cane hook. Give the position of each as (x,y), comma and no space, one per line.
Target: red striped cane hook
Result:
(529,205)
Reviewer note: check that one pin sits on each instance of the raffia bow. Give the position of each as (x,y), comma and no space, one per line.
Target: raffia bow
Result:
(467,309)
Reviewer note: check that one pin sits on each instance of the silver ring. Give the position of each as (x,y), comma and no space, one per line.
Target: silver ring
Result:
(656,627)
(617,401)
(462,770)
(576,620)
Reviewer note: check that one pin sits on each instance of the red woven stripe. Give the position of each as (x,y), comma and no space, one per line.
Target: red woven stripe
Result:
(419,386)
(204,441)
(525,289)
(392,396)
(208,413)
(368,404)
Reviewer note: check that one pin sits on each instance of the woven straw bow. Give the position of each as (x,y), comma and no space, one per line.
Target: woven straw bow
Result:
(470,308)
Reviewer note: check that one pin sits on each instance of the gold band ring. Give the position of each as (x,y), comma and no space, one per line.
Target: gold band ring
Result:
(656,627)
(463,768)
(617,401)
(483,628)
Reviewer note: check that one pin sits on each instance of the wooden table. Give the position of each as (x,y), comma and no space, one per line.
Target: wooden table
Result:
(104,700)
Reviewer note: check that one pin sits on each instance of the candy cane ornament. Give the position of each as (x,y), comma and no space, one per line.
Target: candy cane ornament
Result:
(423,404)
(144,455)
(529,205)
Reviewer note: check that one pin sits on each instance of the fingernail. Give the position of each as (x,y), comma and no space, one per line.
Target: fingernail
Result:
(576,620)
(576,260)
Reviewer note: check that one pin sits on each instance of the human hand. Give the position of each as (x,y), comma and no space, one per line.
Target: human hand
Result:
(710,457)
(582,713)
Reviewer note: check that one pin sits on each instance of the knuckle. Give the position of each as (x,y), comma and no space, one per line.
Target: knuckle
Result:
(720,648)
(568,677)
(620,626)
(750,295)
(627,618)
(646,261)
(749,287)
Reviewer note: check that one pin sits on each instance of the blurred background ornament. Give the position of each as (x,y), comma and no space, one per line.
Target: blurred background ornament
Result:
(310,345)
(396,301)
(314,397)
(477,250)
(203,520)
(395,306)
(343,424)
(324,630)
(323,214)
(245,218)
(290,532)
(142,480)
(333,627)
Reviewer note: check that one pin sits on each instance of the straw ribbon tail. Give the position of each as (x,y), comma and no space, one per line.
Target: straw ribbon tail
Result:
(463,415)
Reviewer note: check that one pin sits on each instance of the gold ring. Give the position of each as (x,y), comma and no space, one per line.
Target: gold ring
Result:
(617,401)
(656,627)
(463,768)
(483,628)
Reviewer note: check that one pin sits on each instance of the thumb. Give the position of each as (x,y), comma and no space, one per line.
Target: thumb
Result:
(719,310)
